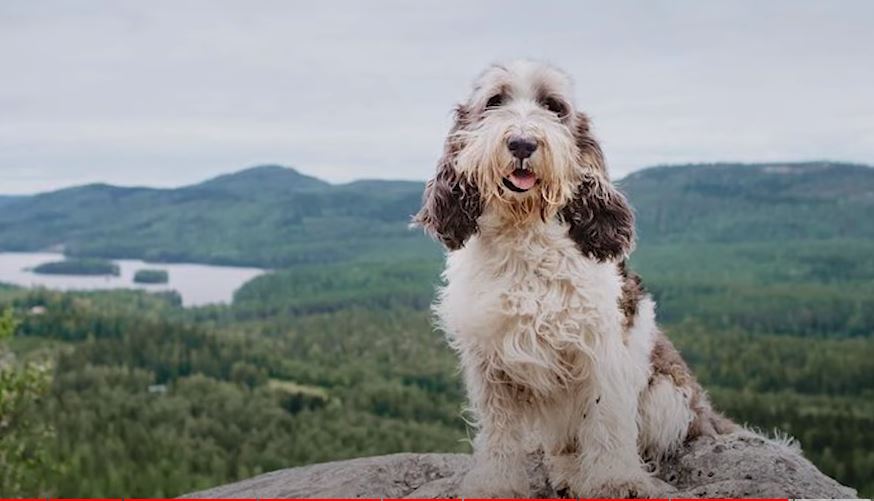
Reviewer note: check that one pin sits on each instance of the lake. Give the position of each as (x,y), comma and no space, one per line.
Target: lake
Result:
(198,284)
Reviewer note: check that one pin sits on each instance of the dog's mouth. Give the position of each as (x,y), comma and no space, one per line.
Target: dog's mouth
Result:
(521,179)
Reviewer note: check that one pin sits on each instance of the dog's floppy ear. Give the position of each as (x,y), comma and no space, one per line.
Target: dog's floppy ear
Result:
(451,203)
(600,218)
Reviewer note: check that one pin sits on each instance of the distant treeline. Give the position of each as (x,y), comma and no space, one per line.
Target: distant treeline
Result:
(277,218)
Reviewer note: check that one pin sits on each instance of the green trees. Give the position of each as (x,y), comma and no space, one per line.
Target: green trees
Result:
(23,439)
(147,402)
(78,267)
(151,277)
(323,363)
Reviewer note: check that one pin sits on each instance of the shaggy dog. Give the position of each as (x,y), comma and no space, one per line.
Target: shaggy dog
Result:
(558,343)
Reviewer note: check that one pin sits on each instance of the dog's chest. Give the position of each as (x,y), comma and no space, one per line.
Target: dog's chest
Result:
(527,303)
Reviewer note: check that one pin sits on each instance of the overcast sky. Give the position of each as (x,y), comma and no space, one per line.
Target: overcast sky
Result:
(165,93)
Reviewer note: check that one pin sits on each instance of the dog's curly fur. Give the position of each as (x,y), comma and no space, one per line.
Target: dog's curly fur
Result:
(557,338)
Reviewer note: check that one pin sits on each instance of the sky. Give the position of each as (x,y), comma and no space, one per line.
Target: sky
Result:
(171,92)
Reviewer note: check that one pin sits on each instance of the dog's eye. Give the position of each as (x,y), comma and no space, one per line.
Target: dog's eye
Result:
(554,105)
(495,101)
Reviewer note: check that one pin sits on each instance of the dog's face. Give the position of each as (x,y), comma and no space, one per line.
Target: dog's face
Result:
(518,145)
(520,150)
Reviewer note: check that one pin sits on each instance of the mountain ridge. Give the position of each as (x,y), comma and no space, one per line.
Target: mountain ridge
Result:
(8,199)
(264,171)
(274,216)
(276,177)
(262,216)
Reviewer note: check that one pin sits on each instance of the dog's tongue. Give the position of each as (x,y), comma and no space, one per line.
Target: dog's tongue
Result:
(523,179)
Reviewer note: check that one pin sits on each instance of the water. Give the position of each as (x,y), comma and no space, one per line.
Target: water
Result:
(198,284)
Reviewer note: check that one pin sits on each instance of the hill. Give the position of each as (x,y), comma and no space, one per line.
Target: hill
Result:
(8,199)
(268,216)
(274,216)
(270,180)
(753,202)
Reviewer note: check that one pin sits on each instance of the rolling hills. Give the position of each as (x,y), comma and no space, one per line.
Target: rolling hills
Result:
(753,202)
(277,217)
(268,216)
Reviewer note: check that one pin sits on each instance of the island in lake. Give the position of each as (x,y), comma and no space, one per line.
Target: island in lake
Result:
(78,267)
(151,277)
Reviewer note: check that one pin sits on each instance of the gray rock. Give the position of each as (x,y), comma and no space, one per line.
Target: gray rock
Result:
(741,465)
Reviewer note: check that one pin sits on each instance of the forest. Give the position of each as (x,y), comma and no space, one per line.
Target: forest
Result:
(127,393)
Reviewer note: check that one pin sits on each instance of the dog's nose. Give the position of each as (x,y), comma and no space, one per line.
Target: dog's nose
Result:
(522,147)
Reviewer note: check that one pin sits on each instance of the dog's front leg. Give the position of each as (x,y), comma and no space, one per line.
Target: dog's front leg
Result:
(498,449)
(499,467)
(610,466)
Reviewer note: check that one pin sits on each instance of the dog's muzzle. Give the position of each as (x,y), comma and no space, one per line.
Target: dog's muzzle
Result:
(521,179)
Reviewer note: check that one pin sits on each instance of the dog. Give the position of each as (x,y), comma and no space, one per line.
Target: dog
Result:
(557,339)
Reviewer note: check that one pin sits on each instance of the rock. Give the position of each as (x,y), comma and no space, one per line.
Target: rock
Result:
(392,476)
(740,465)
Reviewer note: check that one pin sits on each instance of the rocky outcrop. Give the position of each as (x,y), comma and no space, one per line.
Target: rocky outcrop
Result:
(741,465)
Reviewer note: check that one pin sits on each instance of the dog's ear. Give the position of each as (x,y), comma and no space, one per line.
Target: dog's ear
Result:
(600,218)
(451,203)
(591,156)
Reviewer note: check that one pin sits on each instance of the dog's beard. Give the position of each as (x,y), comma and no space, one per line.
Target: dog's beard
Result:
(485,160)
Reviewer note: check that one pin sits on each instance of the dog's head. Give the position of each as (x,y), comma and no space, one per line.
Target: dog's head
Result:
(520,150)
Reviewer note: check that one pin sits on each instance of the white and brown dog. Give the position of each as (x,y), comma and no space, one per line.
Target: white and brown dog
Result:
(558,342)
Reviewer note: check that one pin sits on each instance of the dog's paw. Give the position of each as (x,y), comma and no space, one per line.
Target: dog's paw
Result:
(626,489)
(479,486)
(623,487)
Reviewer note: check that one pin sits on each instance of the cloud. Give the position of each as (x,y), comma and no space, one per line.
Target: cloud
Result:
(166,93)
